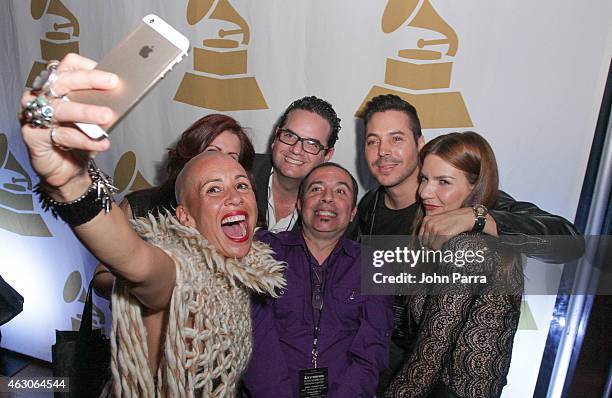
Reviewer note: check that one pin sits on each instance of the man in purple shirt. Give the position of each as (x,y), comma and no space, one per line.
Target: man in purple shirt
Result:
(320,337)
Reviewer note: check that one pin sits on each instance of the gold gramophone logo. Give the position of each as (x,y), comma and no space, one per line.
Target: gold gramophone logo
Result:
(16,200)
(57,42)
(527,320)
(422,76)
(219,79)
(126,177)
(76,292)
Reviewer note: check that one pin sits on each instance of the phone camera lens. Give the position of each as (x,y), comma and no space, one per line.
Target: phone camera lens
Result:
(151,20)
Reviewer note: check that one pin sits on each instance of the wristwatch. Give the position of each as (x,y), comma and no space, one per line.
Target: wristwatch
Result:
(480,217)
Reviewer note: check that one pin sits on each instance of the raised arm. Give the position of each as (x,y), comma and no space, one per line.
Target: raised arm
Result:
(515,218)
(59,154)
(522,222)
(103,283)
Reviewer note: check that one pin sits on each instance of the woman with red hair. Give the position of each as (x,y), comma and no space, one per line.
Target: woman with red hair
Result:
(462,332)
(214,132)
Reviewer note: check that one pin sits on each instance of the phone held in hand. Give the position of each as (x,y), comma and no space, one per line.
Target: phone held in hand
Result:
(140,60)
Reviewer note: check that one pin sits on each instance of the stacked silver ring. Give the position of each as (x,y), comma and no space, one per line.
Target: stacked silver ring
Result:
(39,112)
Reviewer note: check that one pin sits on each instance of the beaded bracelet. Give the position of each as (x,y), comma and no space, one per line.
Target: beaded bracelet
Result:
(98,196)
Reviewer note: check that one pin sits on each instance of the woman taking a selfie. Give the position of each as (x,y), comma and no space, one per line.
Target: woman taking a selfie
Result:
(462,333)
(211,133)
(181,304)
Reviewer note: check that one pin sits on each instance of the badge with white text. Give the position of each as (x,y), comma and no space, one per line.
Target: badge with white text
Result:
(313,383)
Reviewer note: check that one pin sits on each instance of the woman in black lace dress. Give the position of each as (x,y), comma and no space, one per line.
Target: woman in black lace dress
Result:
(462,333)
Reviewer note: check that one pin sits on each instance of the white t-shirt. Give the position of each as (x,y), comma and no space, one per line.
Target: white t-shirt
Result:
(284,224)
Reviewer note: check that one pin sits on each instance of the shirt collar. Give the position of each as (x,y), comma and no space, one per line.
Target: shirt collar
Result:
(296,238)
(274,225)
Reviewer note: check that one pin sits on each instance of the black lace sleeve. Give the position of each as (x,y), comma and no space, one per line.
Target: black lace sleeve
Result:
(444,313)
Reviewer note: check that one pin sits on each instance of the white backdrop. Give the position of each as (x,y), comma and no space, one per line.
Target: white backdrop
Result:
(530,74)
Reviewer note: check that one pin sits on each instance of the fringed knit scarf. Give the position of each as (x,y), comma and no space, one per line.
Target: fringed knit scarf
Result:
(208,340)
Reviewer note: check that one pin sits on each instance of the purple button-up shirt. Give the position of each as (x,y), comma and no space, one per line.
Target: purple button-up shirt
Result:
(354,334)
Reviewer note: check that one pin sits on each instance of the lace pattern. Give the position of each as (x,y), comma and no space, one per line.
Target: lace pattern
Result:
(464,334)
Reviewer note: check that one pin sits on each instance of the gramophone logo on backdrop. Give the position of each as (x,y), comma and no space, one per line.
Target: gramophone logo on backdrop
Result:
(57,42)
(527,320)
(17,213)
(76,292)
(422,75)
(219,79)
(126,177)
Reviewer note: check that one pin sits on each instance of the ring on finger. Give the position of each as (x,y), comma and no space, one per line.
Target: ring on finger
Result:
(54,143)
(38,112)
(43,83)
(52,64)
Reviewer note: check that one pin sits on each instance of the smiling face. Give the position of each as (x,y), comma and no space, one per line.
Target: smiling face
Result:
(291,161)
(443,187)
(226,142)
(327,206)
(216,198)
(390,150)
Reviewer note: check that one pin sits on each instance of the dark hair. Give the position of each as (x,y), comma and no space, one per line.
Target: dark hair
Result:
(198,136)
(321,108)
(472,154)
(391,102)
(304,181)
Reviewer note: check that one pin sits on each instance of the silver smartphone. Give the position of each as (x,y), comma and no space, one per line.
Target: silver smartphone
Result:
(140,60)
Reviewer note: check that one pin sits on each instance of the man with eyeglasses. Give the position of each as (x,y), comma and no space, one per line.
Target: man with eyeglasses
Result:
(320,336)
(304,138)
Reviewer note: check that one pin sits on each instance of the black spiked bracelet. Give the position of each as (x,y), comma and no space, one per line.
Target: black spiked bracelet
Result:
(98,196)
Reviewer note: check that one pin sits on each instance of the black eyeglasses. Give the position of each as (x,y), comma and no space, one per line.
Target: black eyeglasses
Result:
(309,145)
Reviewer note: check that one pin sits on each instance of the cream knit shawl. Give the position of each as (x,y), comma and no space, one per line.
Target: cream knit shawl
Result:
(208,340)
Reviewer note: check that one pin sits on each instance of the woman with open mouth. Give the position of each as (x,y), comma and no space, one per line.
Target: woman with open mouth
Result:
(181,301)
(211,133)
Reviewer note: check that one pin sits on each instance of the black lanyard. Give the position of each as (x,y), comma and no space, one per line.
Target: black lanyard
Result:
(316,302)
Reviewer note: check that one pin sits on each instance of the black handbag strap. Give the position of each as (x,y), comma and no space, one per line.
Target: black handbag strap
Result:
(86,328)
